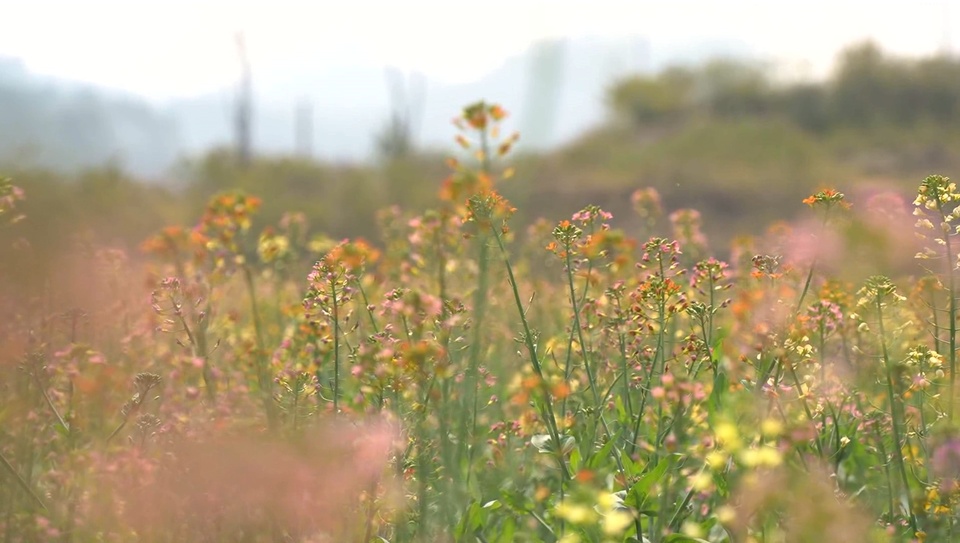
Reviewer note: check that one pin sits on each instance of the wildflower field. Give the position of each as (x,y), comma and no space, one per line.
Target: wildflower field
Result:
(469,379)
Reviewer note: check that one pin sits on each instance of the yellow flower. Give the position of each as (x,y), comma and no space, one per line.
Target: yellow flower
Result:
(763,456)
(771,427)
(575,513)
(702,481)
(615,522)
(770,456)
(692,529)
(716,460)
(726,514)
(728,436)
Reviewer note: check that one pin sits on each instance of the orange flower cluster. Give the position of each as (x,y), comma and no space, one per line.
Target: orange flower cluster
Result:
(227,214)
(464,182)
(827,197)
(352,255)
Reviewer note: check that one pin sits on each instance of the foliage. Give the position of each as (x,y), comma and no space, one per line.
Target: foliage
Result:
(867,89)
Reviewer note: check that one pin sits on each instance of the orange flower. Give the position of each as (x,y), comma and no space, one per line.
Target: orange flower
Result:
(561,390)
(828,197)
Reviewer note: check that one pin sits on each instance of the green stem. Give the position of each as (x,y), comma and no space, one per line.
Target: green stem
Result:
(468,410)
(46,397)
(366,305)
(952,314)
(813,266)
(624,365)
(548,413)
(199,345)
(586,365)
(579,331)
(659,357)
(806,408)
(336,345)
(897,440)
(263,380)
(20,481)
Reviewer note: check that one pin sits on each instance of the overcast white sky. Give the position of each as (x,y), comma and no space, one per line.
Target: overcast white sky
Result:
(177,48)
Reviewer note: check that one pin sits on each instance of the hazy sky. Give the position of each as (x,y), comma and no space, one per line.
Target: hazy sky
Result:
(175,48)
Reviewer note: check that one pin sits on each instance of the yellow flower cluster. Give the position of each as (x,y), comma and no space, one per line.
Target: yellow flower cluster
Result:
(731,444)
(608,511)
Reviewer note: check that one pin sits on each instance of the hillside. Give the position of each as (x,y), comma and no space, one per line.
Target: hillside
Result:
(721,137)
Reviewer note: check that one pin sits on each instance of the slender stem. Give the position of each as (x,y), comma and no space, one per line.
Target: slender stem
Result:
(897,440)
(823,376)
(659,357)
(468,410)
(198,344)
(116,430)
(336,344)
(586,365)
(934,315)
(534,358)
(952,314)
(20,481)
(806,408)
(624,363)
(886,468)
(263,379)
(444,334)
(63,424)
(813,266)
(579,332)
(583,297)
(806,286)
(706,343)
(366,304)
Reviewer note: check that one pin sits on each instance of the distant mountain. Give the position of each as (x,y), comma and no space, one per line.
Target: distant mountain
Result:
(555,91)
(66,125)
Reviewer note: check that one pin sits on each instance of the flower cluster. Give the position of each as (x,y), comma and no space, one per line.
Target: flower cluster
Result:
(827,198)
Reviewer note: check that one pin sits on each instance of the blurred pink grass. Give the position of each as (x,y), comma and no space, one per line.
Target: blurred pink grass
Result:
(259,483)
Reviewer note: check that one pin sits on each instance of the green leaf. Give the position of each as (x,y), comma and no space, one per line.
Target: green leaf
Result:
(630,467)
(507,530)
(61,429)
(720,384)
(680,538)
(603,454)
(640,490)
(575,460)
(471,520)
(720,480)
